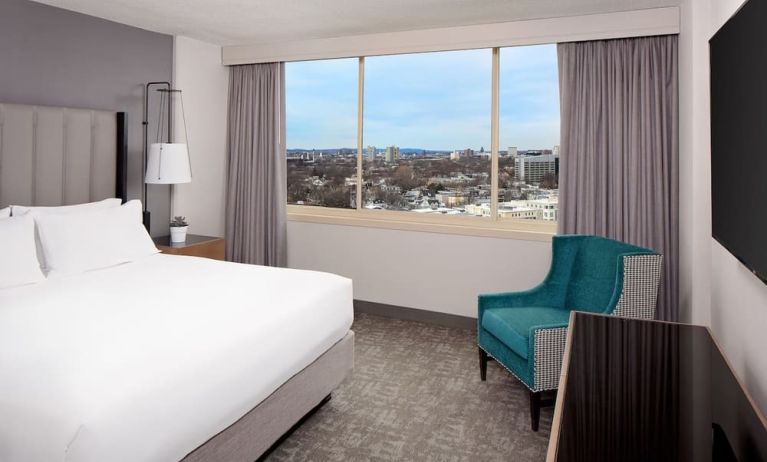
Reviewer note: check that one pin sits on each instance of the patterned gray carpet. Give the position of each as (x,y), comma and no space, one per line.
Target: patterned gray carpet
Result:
(415,395)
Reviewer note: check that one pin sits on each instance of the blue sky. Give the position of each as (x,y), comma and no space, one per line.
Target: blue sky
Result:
(428,100)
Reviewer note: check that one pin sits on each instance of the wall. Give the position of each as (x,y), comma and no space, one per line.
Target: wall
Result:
(436,272)
(54,57)
(198,72)
(738,299)
(445,272)
(722,293)
(694,164)
(636,23)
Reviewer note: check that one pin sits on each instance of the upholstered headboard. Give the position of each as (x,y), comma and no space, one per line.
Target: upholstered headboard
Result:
(59,156)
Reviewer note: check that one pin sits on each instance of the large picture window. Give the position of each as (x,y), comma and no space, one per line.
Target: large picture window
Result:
(470,133)
(321,132)
(427,132)
(528,162)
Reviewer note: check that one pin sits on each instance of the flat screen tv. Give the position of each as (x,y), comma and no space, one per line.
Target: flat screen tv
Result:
(738,53)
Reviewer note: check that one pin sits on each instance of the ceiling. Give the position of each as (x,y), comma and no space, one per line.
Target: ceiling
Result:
(237,22)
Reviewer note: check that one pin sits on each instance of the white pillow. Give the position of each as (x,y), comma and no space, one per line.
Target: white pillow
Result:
(77,242)
(17,210)
(18,261)
(106,203)
(5,213)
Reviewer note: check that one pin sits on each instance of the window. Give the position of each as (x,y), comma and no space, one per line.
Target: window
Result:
(528,161)
(415,135)
(321,132)
(427,132)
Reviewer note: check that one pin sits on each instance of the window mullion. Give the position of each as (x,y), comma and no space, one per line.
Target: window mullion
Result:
(360,112)
(494,133)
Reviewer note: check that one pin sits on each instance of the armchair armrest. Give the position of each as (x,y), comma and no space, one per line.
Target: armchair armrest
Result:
(547,342)
(545,294)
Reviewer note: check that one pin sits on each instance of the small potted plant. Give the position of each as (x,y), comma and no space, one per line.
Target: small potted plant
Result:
(178,229)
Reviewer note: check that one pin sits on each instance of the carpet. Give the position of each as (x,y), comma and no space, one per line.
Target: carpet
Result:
(415,395)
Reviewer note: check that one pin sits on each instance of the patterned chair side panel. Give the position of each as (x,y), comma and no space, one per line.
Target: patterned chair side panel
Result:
(549,348)
(639,296)
(641,280)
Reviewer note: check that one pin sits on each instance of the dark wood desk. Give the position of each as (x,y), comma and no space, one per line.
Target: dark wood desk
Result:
(634,390)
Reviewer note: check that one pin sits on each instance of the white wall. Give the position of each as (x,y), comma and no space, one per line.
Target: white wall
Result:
(738,299)
(204,80)
(718,290)
(636,23)
(694,164)
(445,272)
(436,272)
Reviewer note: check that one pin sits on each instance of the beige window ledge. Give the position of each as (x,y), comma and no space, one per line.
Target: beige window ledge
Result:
(412,221)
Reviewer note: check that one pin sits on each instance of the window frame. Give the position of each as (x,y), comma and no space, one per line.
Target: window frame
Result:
(493,226)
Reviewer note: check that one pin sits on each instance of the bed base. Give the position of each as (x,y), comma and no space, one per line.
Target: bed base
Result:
(287,434)
(265,426)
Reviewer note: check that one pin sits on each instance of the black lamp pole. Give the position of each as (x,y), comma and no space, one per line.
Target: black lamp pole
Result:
(146,215)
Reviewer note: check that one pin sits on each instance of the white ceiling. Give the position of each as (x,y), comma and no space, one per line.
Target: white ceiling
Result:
(237,22)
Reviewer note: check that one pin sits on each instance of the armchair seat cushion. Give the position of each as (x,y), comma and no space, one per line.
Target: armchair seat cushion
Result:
(512,326)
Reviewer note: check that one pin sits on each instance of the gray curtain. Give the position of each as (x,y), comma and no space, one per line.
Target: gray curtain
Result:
(619,147)
(256,194)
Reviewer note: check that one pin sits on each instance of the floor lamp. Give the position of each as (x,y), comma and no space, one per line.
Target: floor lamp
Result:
(164,161)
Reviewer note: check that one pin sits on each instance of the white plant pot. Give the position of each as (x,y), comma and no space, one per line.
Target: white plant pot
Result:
(178,234)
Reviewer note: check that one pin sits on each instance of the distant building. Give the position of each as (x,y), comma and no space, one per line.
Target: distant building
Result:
(371,153)
(548,206)
(515,210)
(539,209)
(555,151)
(468,152)
(392,154)
(455,155)
(532,169)
(512,152)
(451,199)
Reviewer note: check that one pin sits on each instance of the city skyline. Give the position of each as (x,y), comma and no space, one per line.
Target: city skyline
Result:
(322,101)
(409,150)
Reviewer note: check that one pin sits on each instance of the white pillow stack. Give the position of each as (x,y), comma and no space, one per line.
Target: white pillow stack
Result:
(18,264)
(17,210)
(93,239)
(103,204)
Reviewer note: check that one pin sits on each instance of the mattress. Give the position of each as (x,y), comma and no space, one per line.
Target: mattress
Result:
(148,360)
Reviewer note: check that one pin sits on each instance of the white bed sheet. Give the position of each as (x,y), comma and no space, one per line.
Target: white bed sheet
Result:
(147,360)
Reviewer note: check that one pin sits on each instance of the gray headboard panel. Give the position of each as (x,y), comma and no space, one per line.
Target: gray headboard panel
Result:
(59,156)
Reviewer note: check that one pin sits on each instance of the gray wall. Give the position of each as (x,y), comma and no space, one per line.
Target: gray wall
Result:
(50,56)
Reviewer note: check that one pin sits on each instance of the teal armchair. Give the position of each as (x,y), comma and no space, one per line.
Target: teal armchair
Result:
(526,331)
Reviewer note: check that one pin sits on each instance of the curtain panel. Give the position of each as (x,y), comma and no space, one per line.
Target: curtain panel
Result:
(619,147)
(256,196)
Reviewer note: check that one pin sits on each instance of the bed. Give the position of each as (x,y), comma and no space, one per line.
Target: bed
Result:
(161,359)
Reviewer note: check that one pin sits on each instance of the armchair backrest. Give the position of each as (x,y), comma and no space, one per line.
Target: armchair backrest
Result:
(594,264)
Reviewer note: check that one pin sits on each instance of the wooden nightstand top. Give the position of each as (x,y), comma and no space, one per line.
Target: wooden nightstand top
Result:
(195,246)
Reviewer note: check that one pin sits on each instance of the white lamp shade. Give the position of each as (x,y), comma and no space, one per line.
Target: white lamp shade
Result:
(168,163)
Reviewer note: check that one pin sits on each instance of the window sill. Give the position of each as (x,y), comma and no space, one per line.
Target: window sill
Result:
(409,221)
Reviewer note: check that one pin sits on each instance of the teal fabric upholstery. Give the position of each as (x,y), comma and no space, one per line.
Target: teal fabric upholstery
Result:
(512,326)
(586,274)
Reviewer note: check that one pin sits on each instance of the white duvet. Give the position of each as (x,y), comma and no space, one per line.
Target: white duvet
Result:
(146,361)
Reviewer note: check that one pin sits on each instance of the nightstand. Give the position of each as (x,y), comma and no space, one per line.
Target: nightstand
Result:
(195,246)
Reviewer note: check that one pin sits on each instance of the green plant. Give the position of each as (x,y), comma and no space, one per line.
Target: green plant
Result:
(178,222)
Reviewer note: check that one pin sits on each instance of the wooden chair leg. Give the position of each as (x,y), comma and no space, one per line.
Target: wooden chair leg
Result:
(535,409)
(482,364)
